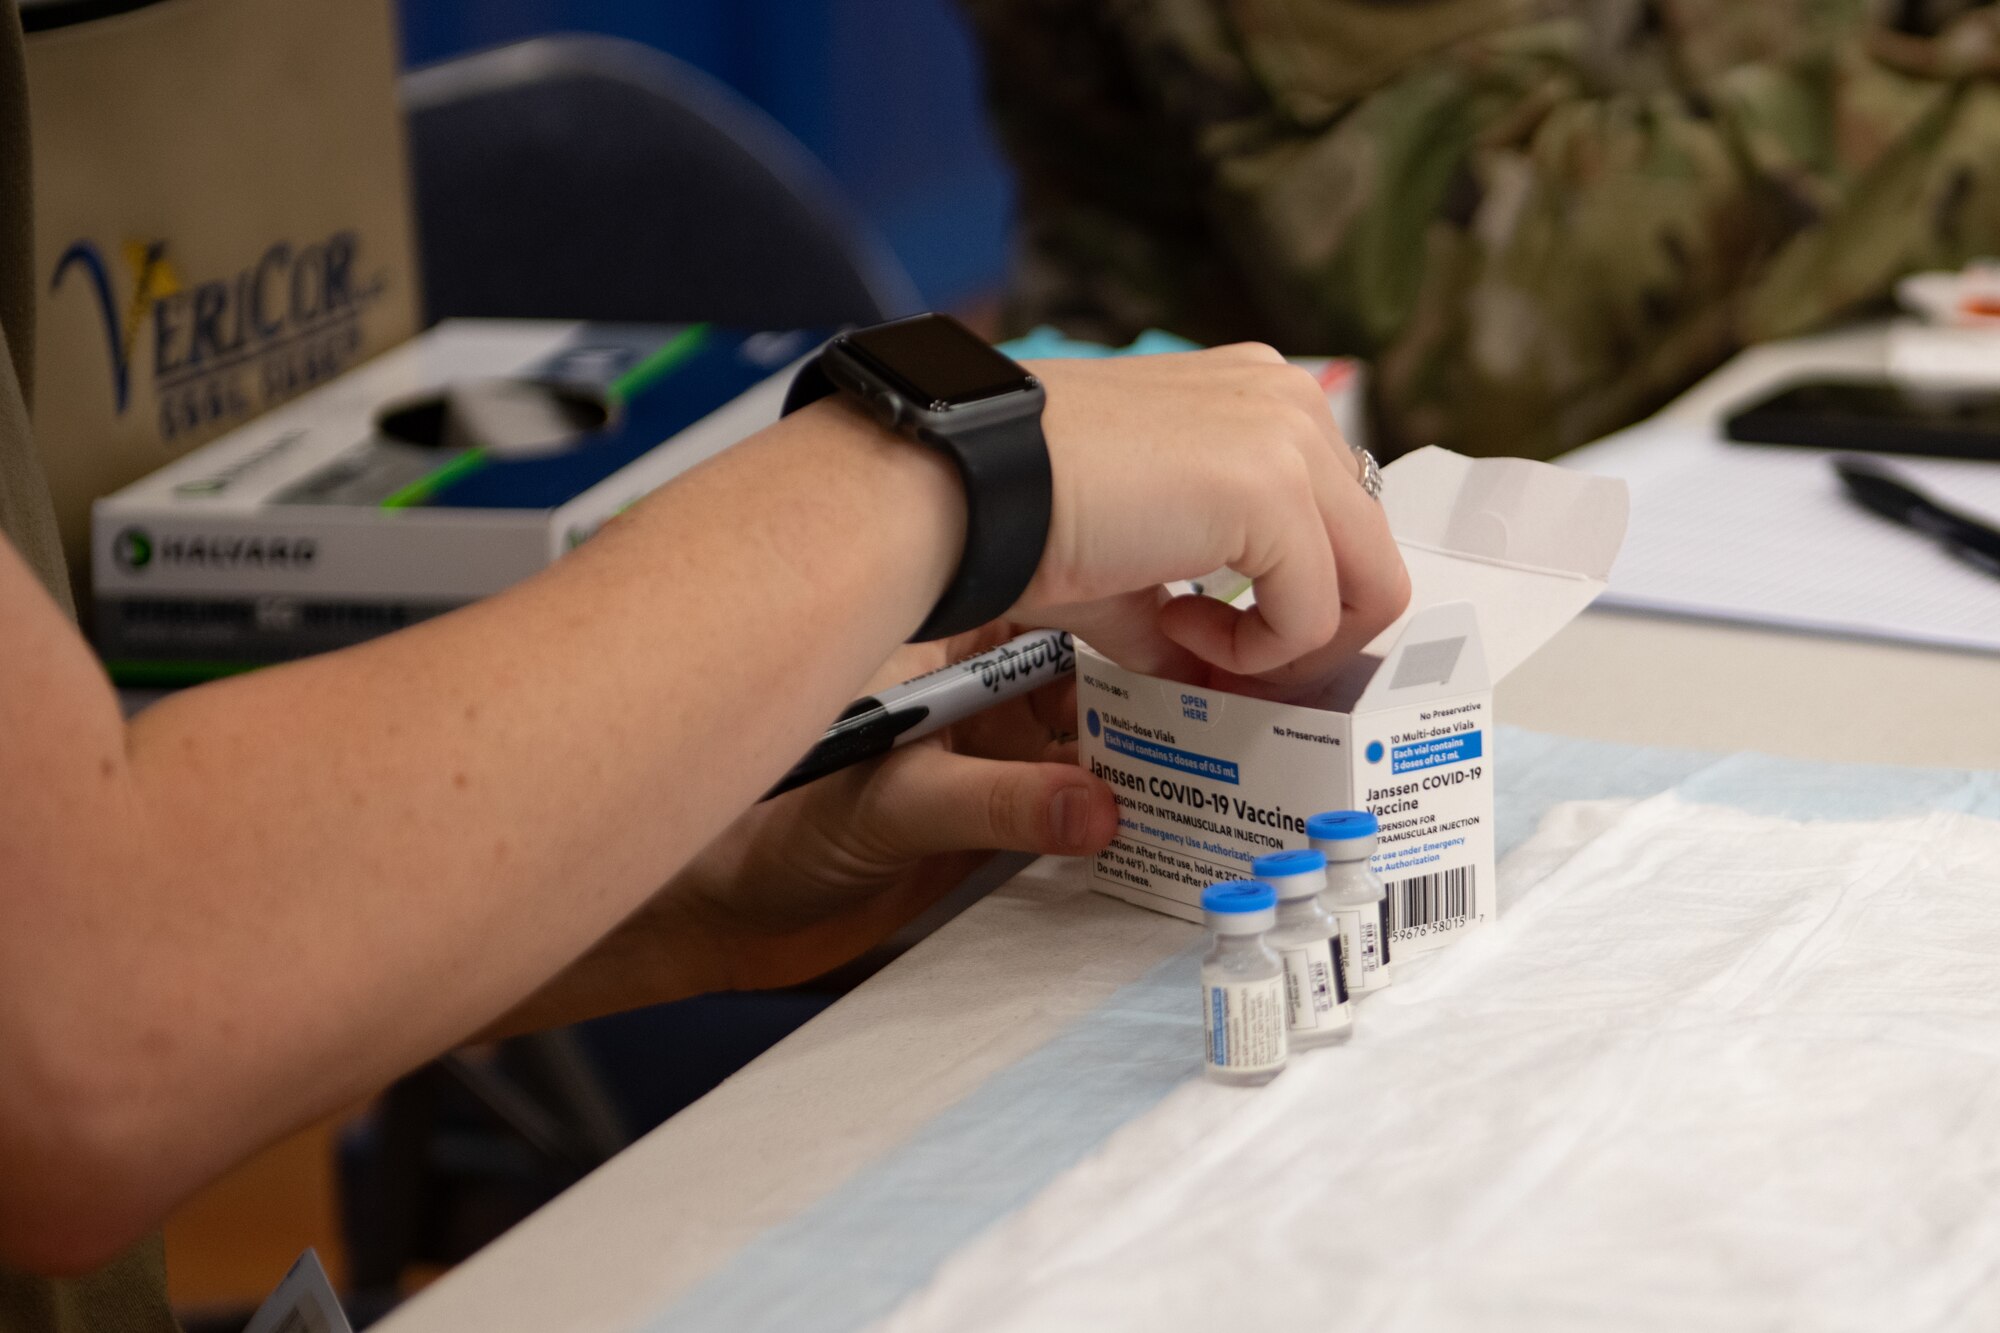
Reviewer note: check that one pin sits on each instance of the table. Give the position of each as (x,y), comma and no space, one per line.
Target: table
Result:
(1020,964)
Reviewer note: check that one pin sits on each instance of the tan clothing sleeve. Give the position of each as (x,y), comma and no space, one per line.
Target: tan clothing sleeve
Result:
(130,1292)
(26,518)
(127,1295)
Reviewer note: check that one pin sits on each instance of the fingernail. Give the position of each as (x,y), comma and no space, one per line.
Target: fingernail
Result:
(1070,816)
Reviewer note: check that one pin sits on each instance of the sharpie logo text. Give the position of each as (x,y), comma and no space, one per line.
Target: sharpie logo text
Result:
(1050,656)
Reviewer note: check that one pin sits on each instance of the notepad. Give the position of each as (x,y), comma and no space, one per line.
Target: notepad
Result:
(1765,534)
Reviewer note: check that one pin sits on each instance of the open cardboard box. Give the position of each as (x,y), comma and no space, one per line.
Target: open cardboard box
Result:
(1502,553)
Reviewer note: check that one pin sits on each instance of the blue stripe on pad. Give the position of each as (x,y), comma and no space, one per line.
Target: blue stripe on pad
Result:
(851,1257)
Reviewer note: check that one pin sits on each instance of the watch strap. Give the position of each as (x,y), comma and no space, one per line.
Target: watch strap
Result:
(809,385)
(1009,490)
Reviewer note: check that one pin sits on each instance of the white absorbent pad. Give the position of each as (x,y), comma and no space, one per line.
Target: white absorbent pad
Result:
(1710,1071)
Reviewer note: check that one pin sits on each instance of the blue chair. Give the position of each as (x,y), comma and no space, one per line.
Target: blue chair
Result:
(586,177)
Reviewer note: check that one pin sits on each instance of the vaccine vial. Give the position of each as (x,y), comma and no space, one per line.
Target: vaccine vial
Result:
(1242,985)
(1307,939)
(1355,895)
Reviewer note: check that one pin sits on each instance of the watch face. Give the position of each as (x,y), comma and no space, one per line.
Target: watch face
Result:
(935,360)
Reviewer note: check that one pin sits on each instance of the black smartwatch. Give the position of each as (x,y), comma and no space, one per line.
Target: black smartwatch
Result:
(933,379)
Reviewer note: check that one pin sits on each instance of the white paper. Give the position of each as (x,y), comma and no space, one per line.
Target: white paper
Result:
(1711,1071)
(1765,534)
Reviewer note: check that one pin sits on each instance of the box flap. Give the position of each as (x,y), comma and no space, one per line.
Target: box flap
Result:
(1529,545)
(1438,654)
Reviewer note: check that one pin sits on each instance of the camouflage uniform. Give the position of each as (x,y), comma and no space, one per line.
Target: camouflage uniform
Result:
(1539,218)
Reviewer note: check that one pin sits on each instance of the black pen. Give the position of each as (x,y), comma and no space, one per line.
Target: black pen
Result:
(1880,492)
(879,723)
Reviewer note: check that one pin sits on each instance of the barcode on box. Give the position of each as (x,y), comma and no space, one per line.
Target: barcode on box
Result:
(1428,904)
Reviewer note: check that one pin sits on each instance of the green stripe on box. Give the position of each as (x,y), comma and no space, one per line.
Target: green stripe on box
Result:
(424,487)
(670,354)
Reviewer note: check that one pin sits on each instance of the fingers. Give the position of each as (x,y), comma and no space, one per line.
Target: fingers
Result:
(1262,353)
(1020,729)
(1284,546)
(1298,642)
(1374,585)
(1053,707)
(1174,465)
(925,800)
(1290,560)
(1127,629)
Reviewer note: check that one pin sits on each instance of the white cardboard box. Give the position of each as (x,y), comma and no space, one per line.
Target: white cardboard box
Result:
(1502,553)
(310,528)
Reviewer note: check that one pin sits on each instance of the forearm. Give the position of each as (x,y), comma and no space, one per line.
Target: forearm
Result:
(299,883)
(675,956)
(269,895)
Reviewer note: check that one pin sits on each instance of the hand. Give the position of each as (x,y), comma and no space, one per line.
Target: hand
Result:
(813,879)
(1168,467)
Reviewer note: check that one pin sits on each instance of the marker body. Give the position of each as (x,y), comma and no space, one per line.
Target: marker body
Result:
(879,723)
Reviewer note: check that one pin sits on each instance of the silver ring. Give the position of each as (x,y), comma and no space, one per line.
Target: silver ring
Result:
(1371,472)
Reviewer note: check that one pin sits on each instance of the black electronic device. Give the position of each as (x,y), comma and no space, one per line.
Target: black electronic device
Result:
(1875,416)
(934,380)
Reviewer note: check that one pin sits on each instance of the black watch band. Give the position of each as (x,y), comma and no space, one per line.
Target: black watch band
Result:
(1003,462)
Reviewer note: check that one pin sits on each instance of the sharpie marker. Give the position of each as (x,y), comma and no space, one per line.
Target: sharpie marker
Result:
(879,723)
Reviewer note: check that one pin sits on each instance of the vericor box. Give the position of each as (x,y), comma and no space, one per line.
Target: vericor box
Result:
(222,223)
(313,527)
(1502,553)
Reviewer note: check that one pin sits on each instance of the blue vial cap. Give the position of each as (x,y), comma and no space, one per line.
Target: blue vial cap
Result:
(1278,865)
(1238,895)
(1343,826)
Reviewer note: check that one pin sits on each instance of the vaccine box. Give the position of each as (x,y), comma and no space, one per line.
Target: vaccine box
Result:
(337,517)
(1502,553)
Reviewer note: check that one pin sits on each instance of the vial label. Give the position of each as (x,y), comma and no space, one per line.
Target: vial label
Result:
(1314,987)
(1361,948)
(1246,1025)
